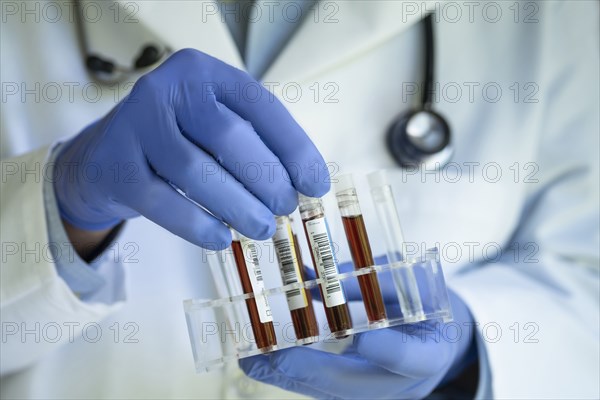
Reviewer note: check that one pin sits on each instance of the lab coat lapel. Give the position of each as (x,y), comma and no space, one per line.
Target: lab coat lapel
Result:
(180,24)
(336,32)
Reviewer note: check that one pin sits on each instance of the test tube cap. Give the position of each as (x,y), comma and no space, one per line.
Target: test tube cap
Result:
(378,179)
(282,219)
(344,182)
(303,199)
(235,235)
(306,203)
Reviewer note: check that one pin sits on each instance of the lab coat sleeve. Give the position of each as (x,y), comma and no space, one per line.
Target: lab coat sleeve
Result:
(102,280)
(537,308)
(35,301)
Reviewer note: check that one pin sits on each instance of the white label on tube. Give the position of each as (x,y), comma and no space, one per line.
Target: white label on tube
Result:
(320,244)
(289,265)
(256,280)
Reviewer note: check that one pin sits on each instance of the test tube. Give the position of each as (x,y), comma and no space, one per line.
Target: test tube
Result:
(403,277)
(319,240)
(227,282)
(292,271)
(360,248)
(261,318)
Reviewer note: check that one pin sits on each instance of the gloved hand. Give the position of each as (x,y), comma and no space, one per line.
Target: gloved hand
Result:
(406,362)
(202,127)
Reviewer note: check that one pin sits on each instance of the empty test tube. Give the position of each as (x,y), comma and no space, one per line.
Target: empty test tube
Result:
(360,248)
(227,282)
(319,240)
(292,271)
(261,318)
(404,278)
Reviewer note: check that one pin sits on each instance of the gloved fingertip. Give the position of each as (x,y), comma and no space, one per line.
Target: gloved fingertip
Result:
(224,237)
(285,203)
(266,230)
(259,227)
(215,236)
(313,188)
(311,178)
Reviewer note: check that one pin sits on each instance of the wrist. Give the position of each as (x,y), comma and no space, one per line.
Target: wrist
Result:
(89,244)
(77,189)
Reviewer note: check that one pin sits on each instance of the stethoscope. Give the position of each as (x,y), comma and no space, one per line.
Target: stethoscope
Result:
(107,71)
(419,138)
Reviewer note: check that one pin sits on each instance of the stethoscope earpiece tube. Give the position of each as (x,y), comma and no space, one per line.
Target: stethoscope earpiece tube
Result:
(429,55)
(106,71)
(97,64)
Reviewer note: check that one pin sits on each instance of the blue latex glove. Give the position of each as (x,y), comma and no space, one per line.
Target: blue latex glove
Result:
(200,126)
(394,363)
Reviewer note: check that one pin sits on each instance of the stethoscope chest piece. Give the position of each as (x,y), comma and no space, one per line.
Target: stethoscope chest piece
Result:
(420,139)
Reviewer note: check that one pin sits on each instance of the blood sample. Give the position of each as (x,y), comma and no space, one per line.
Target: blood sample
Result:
(261,319)
(292,271)
(360,248)
(319,240)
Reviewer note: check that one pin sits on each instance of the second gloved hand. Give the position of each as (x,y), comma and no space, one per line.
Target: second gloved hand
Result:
(201,127)
(406,362)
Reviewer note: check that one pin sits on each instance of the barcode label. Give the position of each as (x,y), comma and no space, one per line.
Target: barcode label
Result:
(320,244)
(256,279)
(288,265)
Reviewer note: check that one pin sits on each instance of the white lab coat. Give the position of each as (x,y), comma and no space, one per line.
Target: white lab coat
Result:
(538,320)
